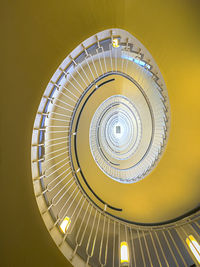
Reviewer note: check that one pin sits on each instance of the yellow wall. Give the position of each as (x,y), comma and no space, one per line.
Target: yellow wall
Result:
(37,35)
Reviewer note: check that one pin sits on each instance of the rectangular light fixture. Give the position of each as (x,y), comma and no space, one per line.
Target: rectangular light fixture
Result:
(115,43)
(124,253)
(65,224)
(194,247)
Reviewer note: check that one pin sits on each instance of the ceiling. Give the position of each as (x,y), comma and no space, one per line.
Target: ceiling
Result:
(39,35)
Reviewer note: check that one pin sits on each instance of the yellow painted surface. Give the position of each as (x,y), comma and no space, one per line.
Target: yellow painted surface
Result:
(36,37)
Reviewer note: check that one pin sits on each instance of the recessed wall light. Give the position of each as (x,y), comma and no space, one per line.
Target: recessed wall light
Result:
(194,247)
(65,224)
(124,253)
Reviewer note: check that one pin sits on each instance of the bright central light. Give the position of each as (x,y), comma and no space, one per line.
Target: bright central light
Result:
(124,253)
(118,129)
(115,135)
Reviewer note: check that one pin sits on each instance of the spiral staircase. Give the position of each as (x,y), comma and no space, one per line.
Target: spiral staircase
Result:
(103,124)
